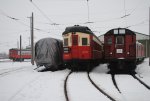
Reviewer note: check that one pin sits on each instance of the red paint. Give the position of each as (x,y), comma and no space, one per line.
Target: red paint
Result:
(89,52)
(129,49)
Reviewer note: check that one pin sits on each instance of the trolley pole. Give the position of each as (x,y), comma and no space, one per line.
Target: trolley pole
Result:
(88,11)
(20,48)
(32,40)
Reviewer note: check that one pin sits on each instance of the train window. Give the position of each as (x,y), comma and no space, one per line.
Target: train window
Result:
(119,40)
(122,31)
(109,40)
(84,41)
(115,31)
(66,42)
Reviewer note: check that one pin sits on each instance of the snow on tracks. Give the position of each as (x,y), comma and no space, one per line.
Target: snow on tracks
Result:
(102,91)
(80,88)
(143,83)
(5,72)
(13,67)
(19,82)
(131,89)
(48,87)
(13,83)
(65,87)
(104,81)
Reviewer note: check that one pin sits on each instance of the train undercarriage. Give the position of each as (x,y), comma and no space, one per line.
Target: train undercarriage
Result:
(122,65)
(81,65)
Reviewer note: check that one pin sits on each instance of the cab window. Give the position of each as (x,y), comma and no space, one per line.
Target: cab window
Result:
(119,40)
(115,31)
(84,41)
(66,42)
(122,31)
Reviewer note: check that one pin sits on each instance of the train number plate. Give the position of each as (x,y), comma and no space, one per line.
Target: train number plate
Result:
(119,51)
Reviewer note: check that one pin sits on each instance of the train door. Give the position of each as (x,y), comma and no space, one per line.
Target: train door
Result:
(75,48)
(120,46)
(108,46)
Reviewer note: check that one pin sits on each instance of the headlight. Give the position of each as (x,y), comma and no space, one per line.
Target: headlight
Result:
(66,49)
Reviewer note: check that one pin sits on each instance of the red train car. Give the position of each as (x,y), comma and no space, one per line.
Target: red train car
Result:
(14,54)
(121,49)
(82,49)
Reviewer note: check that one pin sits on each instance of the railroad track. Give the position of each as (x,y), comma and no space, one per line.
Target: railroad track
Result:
(8,71)
(65,87)
(5,61)
(98,88)
(114,82)
(134,76)
(92,82)
(143,83)
(23,87)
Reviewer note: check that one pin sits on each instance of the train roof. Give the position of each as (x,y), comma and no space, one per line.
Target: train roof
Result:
(77,28)
(120,31)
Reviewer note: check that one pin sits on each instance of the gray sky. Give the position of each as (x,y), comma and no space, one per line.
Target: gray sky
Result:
(105,15)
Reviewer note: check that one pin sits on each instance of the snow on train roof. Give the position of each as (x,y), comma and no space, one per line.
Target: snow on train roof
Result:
(77,28)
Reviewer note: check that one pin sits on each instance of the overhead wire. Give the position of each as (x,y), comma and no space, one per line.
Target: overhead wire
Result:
(137,6)
(44,15)
(111,19)
(129,26)
(19,21)
(13,18)
(52,23)
(137,24)
(126,15)
(42,12)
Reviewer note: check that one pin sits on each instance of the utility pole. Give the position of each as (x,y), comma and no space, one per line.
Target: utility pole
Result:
(29,41)
(32,39)
(20,48)
(17,44)
(149,36)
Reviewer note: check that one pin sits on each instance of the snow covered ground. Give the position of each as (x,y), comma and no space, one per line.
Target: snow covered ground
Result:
(20,82)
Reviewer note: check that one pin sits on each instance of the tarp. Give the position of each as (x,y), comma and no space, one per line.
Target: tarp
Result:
(49,53)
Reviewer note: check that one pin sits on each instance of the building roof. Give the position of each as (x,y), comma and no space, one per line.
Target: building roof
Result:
(140,36)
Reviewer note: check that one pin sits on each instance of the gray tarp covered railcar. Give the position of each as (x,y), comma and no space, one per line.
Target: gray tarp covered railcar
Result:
(49,53)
